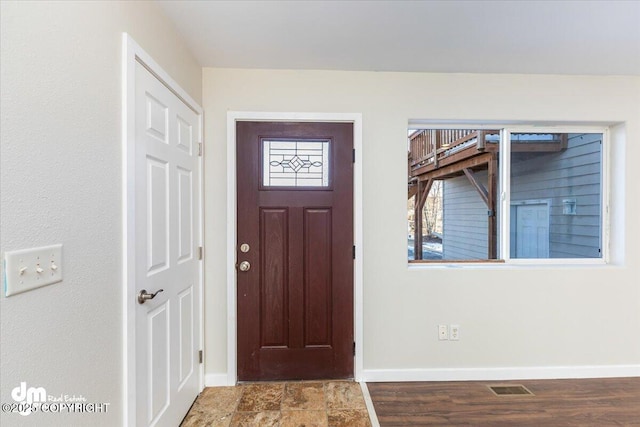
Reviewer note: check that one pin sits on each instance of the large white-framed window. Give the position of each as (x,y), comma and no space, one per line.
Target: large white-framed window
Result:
(509,194)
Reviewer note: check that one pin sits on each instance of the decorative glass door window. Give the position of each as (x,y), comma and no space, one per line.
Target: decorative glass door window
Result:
(295,163)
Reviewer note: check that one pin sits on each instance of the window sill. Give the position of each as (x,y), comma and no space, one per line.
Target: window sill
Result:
(508,264)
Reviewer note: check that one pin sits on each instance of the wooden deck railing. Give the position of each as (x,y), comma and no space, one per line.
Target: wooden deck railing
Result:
(427,146)
(431,149)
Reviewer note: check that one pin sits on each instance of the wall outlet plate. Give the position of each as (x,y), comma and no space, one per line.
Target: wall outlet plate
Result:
(454,332)
(443,332)
(32,268)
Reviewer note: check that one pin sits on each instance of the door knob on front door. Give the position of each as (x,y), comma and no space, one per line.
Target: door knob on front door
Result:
(244,266)
(143,295)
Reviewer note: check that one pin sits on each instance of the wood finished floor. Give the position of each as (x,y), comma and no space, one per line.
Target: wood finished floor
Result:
(556,403)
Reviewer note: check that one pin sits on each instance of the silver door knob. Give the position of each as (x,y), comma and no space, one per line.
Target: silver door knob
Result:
(143,295)
(244,266)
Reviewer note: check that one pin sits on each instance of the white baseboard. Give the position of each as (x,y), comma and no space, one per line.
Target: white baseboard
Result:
(477,374)
(216,380)
(500,374)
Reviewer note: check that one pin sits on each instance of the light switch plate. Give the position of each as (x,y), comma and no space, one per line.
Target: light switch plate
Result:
(32,268)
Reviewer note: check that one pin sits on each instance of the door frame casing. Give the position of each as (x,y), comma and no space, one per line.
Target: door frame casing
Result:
(132,53)
(232,118)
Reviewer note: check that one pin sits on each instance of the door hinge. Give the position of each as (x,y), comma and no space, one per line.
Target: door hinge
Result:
(354,348)
(200,252)
(354,251)
(200,356)
(200,149)
(354,155)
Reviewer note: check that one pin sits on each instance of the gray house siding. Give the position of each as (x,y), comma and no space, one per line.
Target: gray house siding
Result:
(464,220)
(573,174)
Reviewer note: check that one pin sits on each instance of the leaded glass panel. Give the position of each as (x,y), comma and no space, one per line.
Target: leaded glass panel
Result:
(295,163)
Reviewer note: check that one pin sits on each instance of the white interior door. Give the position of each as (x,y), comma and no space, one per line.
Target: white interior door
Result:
(532,231)
(167,265)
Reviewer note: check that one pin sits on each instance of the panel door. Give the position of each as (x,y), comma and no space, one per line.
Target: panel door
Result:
(295,260)
(167,265)
(532,231)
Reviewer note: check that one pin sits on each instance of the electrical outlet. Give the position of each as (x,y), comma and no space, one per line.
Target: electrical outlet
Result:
(443,332)
(454,332)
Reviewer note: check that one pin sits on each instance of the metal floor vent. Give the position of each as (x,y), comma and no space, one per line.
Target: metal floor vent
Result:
(510,390)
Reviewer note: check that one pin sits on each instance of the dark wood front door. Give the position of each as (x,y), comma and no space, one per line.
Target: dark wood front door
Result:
(295,236)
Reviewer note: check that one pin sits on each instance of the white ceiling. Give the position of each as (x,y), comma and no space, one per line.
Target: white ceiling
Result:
(517,36)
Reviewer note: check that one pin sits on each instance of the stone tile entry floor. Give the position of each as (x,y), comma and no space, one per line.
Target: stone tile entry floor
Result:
(281,404)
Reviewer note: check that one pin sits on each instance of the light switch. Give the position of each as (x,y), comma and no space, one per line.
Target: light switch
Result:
(32,268)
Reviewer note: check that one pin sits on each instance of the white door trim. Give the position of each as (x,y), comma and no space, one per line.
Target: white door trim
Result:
(232,118)
(132,52)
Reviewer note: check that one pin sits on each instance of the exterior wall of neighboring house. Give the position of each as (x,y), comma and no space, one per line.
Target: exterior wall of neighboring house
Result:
(573,174)
(464,220)
(536,179)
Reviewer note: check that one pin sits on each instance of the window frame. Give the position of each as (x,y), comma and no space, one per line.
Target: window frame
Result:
(504,191)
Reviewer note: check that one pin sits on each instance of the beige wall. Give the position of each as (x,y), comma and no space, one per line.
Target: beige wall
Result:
(509,316)
(61,183)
